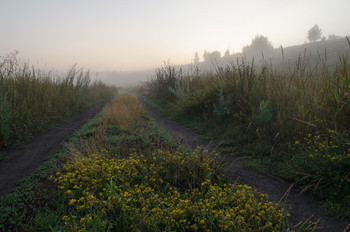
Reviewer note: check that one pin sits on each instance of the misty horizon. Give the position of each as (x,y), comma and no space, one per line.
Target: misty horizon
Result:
(126,37)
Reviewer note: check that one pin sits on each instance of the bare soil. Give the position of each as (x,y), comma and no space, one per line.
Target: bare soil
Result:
(21,162)
(301,206)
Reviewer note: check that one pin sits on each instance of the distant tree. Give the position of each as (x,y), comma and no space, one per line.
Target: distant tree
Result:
(260,44)
(205,55)
(214,56)
(227,53)
(333,36)
(196,58)
(211,56)
(314,33)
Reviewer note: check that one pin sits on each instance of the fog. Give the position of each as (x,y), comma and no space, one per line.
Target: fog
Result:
(313,55)
(120,39)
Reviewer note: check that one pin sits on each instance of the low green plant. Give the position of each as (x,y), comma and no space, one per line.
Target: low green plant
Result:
(220,109)
(264,116)
(45,220)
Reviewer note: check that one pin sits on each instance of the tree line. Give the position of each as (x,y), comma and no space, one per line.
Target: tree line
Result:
(261,46)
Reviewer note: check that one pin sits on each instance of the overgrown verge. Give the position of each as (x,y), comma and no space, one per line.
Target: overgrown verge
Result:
(32,100)
(294,123)
(123,173)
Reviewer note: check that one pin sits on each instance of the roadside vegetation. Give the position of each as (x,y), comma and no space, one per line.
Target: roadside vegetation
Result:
(293,123)
(121,172)
(33,100)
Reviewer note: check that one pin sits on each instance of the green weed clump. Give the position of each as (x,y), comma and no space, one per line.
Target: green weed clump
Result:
(32,100)
(260,110)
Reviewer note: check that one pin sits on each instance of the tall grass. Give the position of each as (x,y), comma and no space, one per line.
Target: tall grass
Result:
(32,100)
(292,104)
(262,112)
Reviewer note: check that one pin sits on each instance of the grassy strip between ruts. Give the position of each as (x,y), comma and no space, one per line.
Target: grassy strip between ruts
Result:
(124,173)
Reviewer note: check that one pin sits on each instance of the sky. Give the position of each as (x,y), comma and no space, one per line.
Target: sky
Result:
(126,35)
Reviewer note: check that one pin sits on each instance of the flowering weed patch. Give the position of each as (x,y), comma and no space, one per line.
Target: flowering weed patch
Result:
(162,192)
(322,164)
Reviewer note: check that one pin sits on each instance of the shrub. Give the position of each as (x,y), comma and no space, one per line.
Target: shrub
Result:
(164,81)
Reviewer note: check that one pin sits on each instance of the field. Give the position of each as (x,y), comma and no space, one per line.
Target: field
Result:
(121,172)
(293,124)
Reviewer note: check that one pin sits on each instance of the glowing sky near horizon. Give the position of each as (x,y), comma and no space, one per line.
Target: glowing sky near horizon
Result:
(126,35)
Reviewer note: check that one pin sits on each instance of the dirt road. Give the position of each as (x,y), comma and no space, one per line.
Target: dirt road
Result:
(19,163)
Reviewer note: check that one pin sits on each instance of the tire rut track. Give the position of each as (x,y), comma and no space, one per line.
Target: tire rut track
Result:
(20,163)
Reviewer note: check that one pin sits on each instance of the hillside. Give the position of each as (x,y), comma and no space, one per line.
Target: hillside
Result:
(311,51)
